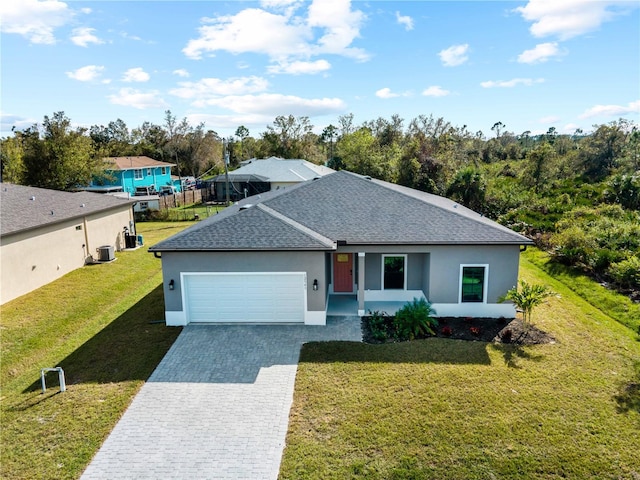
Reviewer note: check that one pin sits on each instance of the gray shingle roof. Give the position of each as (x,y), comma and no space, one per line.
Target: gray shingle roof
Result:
(342,207)
(246,228)
(25,208)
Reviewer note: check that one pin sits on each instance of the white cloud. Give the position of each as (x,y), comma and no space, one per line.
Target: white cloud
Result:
(404,20)
(251,30)
(549,119)
(435,91)
(275,104)
(283,37)
(340,25)
(277,3)
(386,93)
(570,18)
(454,55)
(201,93)
(9,121)
(300,68)
(181,72)
(35,20)
(135,75)
(86,10)
(87,73)
(84,36)
(611,110)
(135,98)
(527,82)
(540,53)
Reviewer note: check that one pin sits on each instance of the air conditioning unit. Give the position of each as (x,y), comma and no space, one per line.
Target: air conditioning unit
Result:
(106,253)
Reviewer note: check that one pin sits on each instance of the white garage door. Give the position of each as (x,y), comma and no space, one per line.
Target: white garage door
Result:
(271,297)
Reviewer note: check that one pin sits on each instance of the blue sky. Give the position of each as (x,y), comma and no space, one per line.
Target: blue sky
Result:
(531,64)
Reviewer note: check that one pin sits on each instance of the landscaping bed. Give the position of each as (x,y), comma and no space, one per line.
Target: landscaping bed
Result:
(496,330)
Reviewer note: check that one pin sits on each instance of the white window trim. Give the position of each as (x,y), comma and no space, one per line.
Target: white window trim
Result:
(485,281)
(138,174)
(382,270)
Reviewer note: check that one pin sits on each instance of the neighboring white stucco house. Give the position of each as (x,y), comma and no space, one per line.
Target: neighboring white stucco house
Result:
(45,234)
(256,176)
(342,244)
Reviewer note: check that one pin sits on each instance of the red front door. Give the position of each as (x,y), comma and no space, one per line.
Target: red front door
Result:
(343,272)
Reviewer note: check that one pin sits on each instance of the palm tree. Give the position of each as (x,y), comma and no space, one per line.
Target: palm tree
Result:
(527,298)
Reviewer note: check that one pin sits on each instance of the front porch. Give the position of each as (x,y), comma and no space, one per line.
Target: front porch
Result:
(342,305)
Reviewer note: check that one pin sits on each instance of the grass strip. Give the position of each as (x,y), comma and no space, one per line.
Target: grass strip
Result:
(450,409)
(616,305)
(96,323)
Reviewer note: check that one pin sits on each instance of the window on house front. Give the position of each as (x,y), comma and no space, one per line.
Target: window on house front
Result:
(393,272)
(473,288)
(148,172)
(164,170)
(137,174)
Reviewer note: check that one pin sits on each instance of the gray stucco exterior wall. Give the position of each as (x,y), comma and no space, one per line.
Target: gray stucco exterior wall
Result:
(503,261)
(435,269)
(313,263)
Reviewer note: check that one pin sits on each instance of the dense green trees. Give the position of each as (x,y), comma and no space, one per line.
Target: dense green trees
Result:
(53,155)
(577,194)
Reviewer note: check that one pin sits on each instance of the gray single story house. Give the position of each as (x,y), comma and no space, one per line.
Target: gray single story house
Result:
(257,176)
(339,244)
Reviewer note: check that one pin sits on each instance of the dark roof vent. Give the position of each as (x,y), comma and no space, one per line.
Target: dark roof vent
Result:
(32,198)
(245,207)
(367,177)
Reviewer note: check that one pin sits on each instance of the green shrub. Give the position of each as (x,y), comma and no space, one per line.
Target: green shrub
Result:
(415,319)
(572,246)
(626,273)
(380,325)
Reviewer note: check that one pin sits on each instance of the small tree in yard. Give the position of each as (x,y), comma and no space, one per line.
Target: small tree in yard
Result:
(527,298)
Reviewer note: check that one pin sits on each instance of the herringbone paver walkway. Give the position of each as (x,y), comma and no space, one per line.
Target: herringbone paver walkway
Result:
(217,406)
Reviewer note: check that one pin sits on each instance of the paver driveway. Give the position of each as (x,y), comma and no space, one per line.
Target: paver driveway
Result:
(216,407)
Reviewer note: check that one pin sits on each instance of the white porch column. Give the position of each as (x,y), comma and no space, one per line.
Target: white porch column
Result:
(361,284)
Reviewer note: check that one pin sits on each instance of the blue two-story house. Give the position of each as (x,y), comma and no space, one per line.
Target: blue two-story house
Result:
(129,173)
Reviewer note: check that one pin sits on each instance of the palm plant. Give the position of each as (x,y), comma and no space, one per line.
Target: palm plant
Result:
(415,319)
(527,298)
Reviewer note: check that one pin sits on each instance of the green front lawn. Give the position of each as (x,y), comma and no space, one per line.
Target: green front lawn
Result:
(450,409)
(436,408)
(99,324)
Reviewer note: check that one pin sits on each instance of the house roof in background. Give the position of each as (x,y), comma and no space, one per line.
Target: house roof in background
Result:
(26,208)
(241,178)
(344,207)
(134,163)
(275,169)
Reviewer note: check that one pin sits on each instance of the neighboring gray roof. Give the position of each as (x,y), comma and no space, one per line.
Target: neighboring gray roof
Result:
(341,207)
(25,208)
(240,177)
(274,169)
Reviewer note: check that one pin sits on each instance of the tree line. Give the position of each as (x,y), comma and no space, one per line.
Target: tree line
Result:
(577,194)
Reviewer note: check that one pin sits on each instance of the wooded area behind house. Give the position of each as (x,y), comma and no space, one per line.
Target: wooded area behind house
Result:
(577,195)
